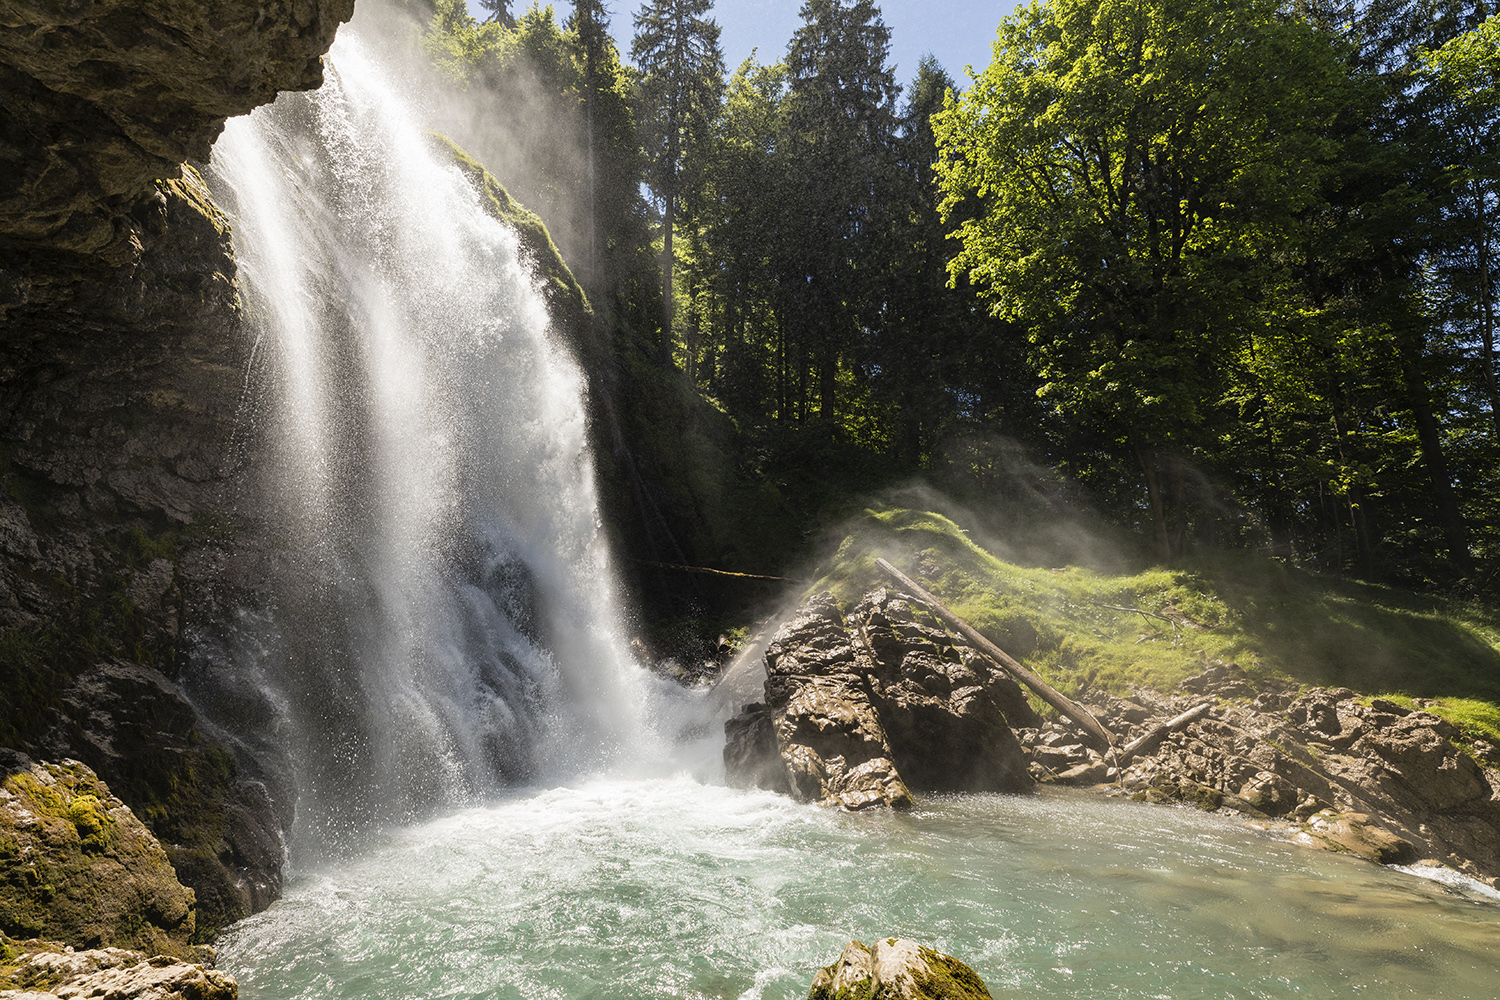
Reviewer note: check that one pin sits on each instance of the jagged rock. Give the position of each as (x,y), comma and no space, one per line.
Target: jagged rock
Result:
(1389,783)
(859,712)
(100,98)
(77,866)
(896,969)
(827,731)
(122,365)
(111,973)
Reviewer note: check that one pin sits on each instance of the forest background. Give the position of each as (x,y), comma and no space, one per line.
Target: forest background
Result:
(1217,276)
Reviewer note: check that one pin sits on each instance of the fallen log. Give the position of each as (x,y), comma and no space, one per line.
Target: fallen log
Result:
(1045,691)
(1154,736)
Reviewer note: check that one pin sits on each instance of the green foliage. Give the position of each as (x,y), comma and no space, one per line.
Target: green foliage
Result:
(1139,168)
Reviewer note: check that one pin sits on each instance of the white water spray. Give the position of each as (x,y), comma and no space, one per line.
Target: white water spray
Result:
(444,621)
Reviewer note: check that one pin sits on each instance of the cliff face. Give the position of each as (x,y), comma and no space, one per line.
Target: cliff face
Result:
(122,360)
(100,98)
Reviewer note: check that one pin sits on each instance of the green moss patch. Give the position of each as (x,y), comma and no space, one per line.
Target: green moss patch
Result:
(1091,630)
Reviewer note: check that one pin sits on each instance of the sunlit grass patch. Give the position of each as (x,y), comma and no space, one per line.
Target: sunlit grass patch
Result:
(1090,630)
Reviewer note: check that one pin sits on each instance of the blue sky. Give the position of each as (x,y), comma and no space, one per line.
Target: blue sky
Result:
(958,32)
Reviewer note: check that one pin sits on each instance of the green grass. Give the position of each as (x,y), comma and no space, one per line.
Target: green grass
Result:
(1275,621)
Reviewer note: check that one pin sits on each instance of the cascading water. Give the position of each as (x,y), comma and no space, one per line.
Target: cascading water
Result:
(443,622)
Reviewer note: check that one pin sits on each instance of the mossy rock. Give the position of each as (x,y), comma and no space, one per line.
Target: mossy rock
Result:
(77,866)
(897,969)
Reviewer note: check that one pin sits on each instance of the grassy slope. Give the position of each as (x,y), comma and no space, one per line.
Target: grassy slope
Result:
(1274,621)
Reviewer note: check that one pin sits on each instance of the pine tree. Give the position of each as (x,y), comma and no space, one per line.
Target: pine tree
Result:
(841,123)
(499,12)
(677,50)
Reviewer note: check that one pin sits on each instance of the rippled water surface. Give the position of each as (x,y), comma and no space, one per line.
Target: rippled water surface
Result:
(672,888)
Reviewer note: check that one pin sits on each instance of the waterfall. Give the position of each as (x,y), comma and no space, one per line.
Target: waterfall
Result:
(439,618)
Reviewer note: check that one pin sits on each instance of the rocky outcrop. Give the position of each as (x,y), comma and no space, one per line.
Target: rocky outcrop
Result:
(119,409)
(896,969)
(113,973)
(122,370)
(1376,779)
(77,866)
(860,712)
(101,98)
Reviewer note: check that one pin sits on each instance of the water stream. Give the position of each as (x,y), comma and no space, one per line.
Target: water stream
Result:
(673,888)
(491,802)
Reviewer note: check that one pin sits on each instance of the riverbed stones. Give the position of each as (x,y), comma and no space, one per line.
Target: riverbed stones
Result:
(860,711)
(896,969)
(77,866)
(1379,780)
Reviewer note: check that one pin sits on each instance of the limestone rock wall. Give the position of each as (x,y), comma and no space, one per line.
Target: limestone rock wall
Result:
(101,98)
(123,360)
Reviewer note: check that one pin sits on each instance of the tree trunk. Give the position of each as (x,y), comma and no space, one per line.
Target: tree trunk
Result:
(1450,518)
(1162,539)
(668,299)
(1487,308)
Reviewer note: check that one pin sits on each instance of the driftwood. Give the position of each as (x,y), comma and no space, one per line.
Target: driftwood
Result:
(1154,736)
(1090,725)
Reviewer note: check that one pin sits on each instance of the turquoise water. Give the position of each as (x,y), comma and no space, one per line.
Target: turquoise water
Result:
(673,888)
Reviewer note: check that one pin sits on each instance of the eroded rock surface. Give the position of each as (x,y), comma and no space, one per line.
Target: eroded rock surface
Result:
(101,98)
(861,711)
(122,372)
(111,973)
(896,969)
(1379,780)
(77,866)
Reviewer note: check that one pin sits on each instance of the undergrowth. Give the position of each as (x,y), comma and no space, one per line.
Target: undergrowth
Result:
(1088,630)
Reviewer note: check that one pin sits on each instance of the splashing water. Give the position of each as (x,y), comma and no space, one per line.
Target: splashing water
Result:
(443,622)
(667,888)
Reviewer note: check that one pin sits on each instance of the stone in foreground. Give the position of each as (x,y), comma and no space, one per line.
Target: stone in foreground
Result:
(896,969)
(112,974)
(77,866)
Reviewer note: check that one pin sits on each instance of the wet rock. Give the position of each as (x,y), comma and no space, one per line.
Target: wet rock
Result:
(946,715)
(1359,834)
(77,866)
(896,969)
(112,973)
(1270,793)
(862,711)
(751,757)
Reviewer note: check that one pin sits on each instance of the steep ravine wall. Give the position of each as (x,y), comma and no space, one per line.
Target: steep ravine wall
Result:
(122,361)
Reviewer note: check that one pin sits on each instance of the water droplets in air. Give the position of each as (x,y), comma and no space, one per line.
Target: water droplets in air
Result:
(441,621)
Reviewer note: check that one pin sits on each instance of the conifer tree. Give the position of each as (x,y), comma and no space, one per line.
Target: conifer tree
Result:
(677,50)
(841,121)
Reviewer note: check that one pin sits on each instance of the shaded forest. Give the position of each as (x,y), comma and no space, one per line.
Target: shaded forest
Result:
(1219,274)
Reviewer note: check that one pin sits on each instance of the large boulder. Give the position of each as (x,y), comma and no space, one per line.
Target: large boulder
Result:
(77,866)
(861,711)
(896,969)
